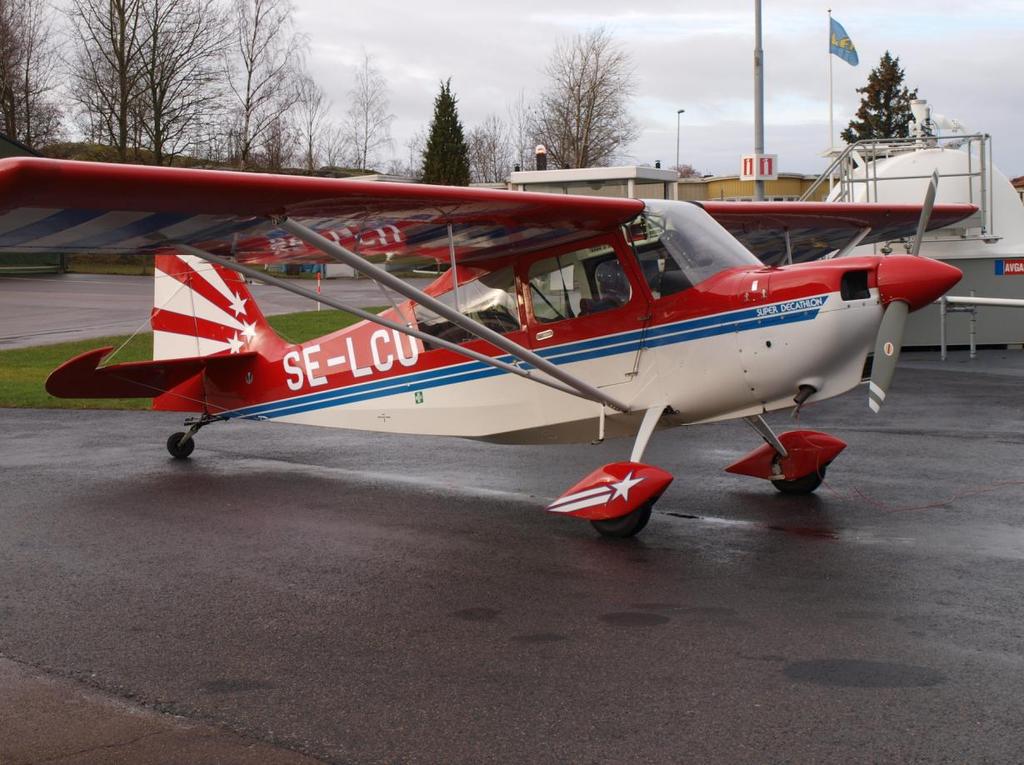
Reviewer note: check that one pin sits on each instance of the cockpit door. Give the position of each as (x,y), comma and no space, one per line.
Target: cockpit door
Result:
(585,308)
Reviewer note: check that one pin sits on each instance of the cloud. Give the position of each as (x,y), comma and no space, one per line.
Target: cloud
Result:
(964,60)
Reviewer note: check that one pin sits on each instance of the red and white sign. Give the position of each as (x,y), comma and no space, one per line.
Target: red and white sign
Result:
(1013,267)
(759,167)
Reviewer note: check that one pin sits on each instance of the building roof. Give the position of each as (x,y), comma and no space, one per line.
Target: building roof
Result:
(12,148)
(593,174)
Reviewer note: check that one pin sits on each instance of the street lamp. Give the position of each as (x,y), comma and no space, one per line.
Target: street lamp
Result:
(678,115)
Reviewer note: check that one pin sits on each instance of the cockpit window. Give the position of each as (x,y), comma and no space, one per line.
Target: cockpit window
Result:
(577,283)
(679,245)
(490,300)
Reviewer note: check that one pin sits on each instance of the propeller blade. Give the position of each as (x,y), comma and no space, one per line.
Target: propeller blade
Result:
(926,213)
(888,344)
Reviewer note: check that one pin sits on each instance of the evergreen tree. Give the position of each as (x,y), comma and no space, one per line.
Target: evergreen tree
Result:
(446,159)
(885,104)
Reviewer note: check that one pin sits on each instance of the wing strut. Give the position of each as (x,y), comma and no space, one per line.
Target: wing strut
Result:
(848,247)
(253,273)
(339,253)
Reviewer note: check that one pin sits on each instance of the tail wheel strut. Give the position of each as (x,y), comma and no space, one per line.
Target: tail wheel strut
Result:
(180,445)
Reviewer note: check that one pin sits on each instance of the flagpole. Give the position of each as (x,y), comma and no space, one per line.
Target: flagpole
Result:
(758,100)
(831,129)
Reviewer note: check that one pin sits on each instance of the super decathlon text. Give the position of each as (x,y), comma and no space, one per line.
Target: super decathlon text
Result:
(793,305)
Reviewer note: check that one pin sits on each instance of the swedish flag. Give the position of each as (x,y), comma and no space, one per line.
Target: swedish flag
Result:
(841,45)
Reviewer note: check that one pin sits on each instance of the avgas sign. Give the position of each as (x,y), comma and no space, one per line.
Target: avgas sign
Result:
(1013,267)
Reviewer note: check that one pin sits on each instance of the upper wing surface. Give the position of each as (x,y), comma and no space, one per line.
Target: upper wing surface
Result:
(817,228)
(63,206)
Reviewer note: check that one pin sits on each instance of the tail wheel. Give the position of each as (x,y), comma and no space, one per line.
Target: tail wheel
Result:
(626,526)
(802,485)
(178,449)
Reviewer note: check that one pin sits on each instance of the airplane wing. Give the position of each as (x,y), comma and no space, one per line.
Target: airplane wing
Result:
(817,228)
(57,206)
(52,206)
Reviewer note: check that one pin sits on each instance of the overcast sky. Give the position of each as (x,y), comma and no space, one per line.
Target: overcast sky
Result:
(964,57)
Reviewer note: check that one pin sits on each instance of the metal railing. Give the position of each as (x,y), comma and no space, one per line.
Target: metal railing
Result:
(856,168)
(955,304)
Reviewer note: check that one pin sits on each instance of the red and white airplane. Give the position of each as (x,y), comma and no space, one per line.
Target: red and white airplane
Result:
(561,319)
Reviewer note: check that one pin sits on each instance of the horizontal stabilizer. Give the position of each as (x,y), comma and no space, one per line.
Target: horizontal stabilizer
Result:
(82,377)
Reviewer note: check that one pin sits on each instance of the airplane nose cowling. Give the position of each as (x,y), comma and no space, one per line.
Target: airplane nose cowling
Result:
(915,280)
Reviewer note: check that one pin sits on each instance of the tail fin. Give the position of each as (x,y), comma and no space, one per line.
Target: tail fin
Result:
(200,309)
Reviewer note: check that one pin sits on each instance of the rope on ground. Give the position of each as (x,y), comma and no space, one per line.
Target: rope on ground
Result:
(885,507)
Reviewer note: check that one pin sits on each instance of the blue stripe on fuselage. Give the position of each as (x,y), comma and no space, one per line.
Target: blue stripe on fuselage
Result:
(584,350)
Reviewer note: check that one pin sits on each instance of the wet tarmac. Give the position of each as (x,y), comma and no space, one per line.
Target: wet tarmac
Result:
(371,598)
(35,310)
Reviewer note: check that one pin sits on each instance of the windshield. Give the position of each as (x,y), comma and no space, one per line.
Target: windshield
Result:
(680,245)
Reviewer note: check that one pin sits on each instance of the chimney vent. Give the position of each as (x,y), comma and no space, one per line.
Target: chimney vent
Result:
(542,157)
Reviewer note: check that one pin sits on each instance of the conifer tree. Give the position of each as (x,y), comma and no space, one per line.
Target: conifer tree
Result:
(885,104)
(446,159)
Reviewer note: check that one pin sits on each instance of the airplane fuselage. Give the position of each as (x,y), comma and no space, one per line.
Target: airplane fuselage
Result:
(741,343)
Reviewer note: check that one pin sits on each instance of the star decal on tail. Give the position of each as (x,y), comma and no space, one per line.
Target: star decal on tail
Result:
(249,331)
(238,303)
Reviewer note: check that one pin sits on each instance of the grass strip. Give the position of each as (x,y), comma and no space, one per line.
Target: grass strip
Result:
(23,371)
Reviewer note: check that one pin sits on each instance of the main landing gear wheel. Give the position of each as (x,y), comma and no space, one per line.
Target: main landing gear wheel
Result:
(626,526)
(802,485)
(179,450)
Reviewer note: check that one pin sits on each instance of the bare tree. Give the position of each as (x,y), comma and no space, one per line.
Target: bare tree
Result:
(311,109)
(181,81)
(333,147)
(522,120)
(686,170)
(411,166)
(417,146)
(491,154)
(266,51)
(106,69)
(278,144)
(368,123)
(582,118)
(28,73)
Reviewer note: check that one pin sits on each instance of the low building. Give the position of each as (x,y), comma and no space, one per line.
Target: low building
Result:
(11,148)
(1018,186)
(788,187)
(654,183)
(28,263)
(629,181)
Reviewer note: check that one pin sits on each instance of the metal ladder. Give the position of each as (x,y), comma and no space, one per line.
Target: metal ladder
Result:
(856,168)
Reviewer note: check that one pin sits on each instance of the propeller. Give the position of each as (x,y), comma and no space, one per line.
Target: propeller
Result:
(905,283)
(926,212)
(888,344)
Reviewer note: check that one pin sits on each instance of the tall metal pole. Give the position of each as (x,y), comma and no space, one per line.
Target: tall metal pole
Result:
(831,129)
(758,98)
(678,116)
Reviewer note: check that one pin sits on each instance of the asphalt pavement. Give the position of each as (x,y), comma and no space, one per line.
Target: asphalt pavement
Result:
(36,310)
(351,597)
